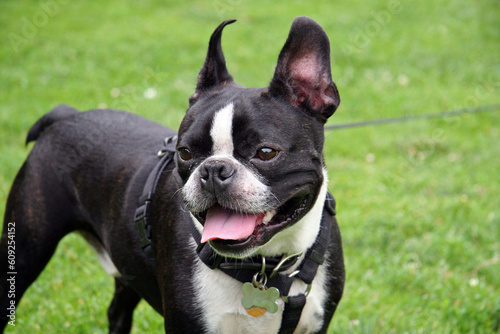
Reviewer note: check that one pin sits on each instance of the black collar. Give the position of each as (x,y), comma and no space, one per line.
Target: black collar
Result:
(245,270)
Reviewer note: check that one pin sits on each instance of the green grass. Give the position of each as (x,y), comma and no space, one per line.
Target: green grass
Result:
(418,203)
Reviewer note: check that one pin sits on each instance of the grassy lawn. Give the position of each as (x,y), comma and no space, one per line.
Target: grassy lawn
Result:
(418,202)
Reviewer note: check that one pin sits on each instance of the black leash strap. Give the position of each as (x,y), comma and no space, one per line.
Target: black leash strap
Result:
(443,114)
(143,211)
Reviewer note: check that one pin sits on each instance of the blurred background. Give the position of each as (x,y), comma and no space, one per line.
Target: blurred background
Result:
(418,202)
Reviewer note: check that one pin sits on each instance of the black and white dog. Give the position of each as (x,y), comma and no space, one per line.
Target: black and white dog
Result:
(228,229)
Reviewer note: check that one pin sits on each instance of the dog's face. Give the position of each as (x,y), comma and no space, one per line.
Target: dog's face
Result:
(250,160)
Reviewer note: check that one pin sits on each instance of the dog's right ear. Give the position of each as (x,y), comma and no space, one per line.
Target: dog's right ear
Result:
(214,71)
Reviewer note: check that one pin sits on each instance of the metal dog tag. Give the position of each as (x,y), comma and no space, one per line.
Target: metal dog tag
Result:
(258,299)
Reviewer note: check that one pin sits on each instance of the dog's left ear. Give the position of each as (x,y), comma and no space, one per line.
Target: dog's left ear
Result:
(214,71)
(303,72)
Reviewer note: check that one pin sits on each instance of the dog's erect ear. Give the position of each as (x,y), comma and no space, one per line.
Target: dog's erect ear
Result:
(214,71)
(303,73)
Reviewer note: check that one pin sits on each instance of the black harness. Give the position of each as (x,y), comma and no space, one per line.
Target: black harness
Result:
(143,210)
(244,270)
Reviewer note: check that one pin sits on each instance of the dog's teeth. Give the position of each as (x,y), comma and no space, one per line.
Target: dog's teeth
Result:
(269,215)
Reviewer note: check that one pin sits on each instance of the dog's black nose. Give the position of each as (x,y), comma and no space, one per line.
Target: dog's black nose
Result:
(216,175)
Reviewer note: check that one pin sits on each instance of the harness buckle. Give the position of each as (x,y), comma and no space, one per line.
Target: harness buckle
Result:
(167,146)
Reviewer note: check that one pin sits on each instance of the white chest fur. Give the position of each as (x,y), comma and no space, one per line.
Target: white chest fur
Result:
(219,297)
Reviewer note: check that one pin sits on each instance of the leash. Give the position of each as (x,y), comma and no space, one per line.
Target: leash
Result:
(245,270)
(443,114)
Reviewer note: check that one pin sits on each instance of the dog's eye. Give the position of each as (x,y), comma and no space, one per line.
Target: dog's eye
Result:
(266,153)
(184,153)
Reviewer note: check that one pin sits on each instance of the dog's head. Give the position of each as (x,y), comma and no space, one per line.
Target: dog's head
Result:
(250,160)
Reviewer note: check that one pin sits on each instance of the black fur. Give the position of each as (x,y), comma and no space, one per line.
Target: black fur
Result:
(86,172)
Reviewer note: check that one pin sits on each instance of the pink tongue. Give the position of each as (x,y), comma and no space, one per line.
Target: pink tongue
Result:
(226,224)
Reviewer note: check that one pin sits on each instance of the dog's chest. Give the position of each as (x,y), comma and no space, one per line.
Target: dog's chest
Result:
(219,298)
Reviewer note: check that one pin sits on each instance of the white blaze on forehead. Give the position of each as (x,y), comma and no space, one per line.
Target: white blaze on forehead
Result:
(221,131)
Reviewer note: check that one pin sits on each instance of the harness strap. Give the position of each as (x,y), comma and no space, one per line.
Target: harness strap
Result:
(143,211)
(315,257)
(292,313)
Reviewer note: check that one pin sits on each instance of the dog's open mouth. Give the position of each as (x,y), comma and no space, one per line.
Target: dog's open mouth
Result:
(227,228)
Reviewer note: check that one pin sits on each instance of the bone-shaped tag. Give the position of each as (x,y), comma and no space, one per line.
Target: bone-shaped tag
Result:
(259,299)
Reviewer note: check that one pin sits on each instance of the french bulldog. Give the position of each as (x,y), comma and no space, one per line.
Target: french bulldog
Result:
(229,228)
